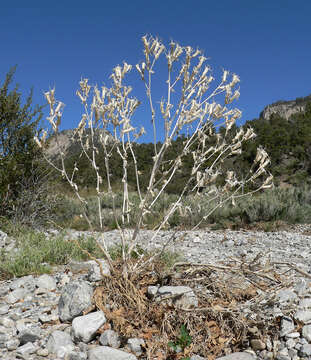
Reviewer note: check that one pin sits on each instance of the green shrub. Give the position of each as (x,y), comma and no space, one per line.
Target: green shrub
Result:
(22,171)
(37,253)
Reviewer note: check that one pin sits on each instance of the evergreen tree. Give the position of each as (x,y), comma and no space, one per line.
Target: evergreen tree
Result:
(19,155)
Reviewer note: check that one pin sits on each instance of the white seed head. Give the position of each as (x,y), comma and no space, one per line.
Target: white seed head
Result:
(126,68)
(235,80)
(82,98)
(239,135)
(224,76)
(59,106)
(268,183)
(145,42)
(48,97)
(196,53)
(235,96)
(249,134)
(118,71)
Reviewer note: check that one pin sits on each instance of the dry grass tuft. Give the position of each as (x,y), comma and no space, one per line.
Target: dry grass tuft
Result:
(219,325)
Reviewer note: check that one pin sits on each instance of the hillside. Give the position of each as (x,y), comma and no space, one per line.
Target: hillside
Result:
(284,129)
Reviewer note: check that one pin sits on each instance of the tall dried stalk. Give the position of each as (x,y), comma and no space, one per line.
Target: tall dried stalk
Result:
(192,106)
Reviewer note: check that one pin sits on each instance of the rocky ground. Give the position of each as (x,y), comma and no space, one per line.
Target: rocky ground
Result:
(42,317)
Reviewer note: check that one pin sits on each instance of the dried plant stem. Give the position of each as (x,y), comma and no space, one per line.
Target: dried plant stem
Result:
(193,106)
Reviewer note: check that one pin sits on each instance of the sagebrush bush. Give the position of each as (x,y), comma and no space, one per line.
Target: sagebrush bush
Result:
(290,205)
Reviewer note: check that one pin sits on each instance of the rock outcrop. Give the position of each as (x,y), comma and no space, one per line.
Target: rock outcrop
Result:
(69,142)
(286,109)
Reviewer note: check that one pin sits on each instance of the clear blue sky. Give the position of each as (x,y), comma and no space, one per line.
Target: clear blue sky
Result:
(55,43)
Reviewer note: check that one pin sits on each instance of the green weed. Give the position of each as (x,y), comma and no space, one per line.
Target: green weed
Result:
(180,344)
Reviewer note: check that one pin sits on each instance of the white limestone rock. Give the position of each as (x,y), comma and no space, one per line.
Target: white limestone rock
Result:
(84,327)
(108,353)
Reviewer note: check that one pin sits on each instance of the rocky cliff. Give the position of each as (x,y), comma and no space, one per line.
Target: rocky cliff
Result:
(69,141)
(286,109)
